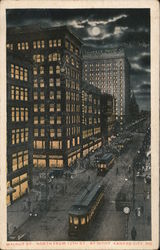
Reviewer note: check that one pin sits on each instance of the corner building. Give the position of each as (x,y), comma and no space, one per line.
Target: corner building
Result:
(91,127)
(19,127)
(109,70)
(56,62)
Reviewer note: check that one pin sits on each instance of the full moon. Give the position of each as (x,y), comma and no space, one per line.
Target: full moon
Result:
(96,31)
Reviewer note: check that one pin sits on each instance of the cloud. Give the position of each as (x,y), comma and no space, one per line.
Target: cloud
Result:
(119,30)
(76,24)
(110,20)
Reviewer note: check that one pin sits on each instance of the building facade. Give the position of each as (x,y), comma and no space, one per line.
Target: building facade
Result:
(107,116)
(56,64)
(109,71)
(19,127)
(91,123)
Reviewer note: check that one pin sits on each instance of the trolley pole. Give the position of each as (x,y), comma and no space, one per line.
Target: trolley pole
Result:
(133,168)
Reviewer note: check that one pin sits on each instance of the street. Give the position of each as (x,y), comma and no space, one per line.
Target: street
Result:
(109,223)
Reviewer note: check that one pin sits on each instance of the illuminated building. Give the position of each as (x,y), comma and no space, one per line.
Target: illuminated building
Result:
(56,63)
(107,116)
(91,127)
(109,71)
(19,128)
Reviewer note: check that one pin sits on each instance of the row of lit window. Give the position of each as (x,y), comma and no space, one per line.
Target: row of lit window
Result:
(52,107)
(53,132)
(19,160)
(53,120)
(72,96)
(23,46)
(38,162)
(71,47)
(19,114)
(19,73)
(53,57)
(72,73)
(19,135)
(73,131)
(72,61)
(73,142)
(72,119)
(19,93)
(72,107)
(72,85)
(87,133)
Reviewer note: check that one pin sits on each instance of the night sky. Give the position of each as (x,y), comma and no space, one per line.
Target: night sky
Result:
(103,28)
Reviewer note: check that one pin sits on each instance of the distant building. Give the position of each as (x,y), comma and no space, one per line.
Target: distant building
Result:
(109,70)
(91,123)
(134,108)
(56,58)
(107,116)
(19,127)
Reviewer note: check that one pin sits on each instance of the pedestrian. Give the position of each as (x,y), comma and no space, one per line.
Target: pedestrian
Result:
(117,171)
(133,233)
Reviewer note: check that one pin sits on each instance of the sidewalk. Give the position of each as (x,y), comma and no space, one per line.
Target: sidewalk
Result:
(142,223)
(17,214)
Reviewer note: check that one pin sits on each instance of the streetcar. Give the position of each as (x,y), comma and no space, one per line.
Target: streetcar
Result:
(84,210)
(105,163)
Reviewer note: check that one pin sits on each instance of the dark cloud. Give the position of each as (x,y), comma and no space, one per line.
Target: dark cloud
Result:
(145,61)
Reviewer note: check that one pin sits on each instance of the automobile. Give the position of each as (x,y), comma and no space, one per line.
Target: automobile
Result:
(34,213)
(55,173)
(68,174)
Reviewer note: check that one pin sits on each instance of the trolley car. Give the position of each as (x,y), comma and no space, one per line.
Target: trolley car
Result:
(105,164)
(84,210)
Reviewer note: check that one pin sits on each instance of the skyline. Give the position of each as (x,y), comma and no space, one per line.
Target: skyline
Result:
(103,29)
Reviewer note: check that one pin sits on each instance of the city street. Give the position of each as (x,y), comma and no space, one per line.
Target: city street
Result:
(109,223)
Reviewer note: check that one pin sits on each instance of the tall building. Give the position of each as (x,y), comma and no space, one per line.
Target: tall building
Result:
(109,71)
(91,127)
(19,127)
(56,62)
(107,116)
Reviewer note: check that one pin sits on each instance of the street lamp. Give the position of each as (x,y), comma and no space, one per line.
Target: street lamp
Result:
(126,211)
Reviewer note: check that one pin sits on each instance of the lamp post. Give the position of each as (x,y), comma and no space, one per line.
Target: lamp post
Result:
(126,211)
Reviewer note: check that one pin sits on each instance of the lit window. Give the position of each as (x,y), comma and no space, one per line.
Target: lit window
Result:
(58,82)
(51,82)
(51,119)
(75,221)
(58,107)
(34,71)
(50,69)
(42,131)
(58,95)
(51,95)
(42,108)
(42,120)
(57,69)
(83,221)
(52,133)
(58,119)
(36,120)
(36,132)
(41,70)
(59,43)
(51,108)
(41,83)
(35,107)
